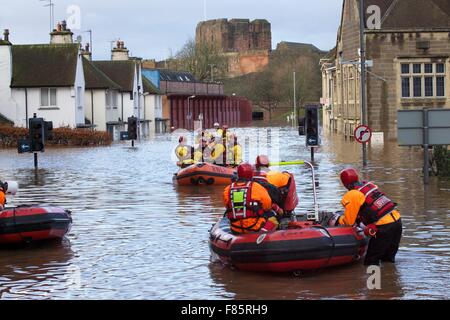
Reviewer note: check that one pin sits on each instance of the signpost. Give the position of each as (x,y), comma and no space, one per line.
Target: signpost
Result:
(426,127)
(363,134)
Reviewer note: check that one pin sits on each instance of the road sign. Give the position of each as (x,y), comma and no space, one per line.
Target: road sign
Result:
(363,134)
(411,124)
(426,127)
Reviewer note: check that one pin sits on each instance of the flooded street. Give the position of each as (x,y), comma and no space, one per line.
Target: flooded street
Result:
(136,235)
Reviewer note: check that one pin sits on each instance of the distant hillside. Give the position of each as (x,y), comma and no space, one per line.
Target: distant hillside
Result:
(273,89)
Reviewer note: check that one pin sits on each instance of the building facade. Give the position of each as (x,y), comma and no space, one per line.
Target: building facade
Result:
(45,79)
(409,50)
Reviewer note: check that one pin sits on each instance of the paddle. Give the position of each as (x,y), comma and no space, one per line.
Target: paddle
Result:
(287,163)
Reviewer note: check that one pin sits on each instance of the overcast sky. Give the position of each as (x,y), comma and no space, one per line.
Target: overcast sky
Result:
(155,28)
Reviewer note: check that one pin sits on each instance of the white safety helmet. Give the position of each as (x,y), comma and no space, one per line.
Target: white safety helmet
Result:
(216,125)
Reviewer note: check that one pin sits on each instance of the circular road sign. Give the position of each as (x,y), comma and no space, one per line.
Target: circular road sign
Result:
(363,134)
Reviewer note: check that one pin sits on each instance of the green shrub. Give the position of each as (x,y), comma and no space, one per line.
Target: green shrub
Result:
(441,158)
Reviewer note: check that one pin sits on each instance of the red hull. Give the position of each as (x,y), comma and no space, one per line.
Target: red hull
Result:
(205,174)
(309,247)
(32,223)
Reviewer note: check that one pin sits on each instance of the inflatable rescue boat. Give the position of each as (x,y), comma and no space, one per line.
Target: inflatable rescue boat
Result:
(205,174)
(300,244)
(33,223)
(303,246)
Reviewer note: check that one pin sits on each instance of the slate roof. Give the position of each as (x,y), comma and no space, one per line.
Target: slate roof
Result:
(413,14)
(44,65)
(149,87)
(96,79)
(120,72)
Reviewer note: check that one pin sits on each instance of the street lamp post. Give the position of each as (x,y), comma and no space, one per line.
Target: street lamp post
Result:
(295,101)
(189,115)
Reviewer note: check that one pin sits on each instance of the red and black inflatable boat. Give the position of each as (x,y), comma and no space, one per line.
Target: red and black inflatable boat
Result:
(33,223)
(302,246)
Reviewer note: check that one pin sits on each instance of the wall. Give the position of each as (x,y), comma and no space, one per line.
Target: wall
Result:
(191,88)
(79,92)
(8,106)
(224,110)
(102,113)
(388,50)
(62,115)
(236,35)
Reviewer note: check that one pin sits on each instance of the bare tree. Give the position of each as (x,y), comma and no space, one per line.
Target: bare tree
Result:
(201,59)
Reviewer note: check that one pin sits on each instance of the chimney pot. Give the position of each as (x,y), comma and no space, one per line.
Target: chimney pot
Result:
(6,35)
(64,25)
(58,27)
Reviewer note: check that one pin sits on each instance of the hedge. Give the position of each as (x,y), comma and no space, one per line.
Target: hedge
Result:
(61,137)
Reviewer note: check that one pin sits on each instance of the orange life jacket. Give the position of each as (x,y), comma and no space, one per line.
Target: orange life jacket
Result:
(241,205)
(376,206)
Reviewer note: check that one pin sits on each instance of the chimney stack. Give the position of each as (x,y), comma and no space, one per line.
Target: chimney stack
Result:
(120,52)
(6,35)
(86,52)
(61,35)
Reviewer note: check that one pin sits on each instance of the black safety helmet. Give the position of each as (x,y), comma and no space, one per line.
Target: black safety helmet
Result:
(4,186)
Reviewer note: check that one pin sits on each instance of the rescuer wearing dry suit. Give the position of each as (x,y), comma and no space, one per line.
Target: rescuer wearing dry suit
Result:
(184,153)
(275,182)
(365,203)
(3,189)
(234,151)
(214,152)
(248,204)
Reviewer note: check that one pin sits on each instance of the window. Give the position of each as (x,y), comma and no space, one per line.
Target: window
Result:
(79,97)
(417,86)
(405,68)
(428,86)
(406,89)
(440,86)
(422,80)
(111,99)
(48,97)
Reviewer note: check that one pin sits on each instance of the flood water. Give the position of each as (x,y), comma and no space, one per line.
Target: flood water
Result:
(136,235)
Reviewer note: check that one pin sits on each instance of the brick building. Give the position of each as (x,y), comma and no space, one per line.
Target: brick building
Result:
(410,51)
(246,44)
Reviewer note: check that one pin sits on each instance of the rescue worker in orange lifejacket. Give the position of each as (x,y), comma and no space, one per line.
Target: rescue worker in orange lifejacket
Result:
(248,204)
(3,189)
(284,181)
(365,203)
(261,176)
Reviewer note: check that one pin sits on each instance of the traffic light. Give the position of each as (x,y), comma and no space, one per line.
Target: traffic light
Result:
(132,128)
(301,126)
(37,134)
(312,126)
(48,130)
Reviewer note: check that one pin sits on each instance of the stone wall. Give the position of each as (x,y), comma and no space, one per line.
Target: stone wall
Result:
(388,50)
(236,35)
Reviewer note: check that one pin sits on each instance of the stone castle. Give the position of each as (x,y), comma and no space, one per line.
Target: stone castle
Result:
(247,44)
